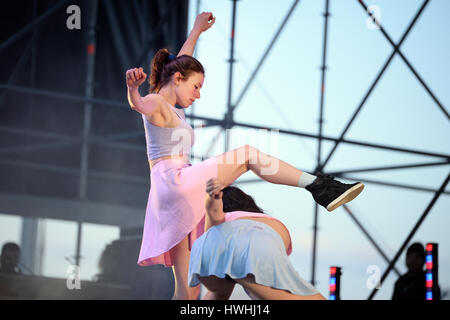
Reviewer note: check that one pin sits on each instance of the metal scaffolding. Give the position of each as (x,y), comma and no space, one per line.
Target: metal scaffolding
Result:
(134,48)
(228,123)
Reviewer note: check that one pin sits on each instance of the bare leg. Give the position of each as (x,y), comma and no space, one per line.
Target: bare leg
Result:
(232,164)
(268,293)
(219,289)
(180,254)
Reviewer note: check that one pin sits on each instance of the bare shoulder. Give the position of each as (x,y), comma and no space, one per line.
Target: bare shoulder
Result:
(156,109)
(153,98)
(152,104)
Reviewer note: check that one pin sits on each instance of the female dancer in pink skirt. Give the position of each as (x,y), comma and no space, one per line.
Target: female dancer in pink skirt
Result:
(175,213)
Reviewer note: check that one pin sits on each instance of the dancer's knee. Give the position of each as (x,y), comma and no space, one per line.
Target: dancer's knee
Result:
(249,155)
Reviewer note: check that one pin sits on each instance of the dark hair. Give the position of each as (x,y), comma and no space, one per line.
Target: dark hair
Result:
(418,248)
(234,199)
(162,68)
(10,246)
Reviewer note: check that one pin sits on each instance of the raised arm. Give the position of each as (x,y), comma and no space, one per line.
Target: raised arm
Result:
(213,203)
(203,22)
(148,105)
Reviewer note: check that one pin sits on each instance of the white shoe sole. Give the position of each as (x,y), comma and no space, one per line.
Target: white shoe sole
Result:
(347,196)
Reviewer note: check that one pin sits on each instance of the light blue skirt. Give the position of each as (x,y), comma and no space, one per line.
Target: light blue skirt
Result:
(242,247)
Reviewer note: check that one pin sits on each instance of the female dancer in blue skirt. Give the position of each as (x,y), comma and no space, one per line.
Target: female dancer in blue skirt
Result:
(175,211)
(243,245)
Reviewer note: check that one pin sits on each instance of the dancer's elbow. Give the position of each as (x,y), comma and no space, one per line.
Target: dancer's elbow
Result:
(149,105)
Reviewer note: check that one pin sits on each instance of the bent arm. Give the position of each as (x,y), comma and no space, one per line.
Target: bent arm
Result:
(214,212)
(135,99)
(148,105)
(189,44)
(203,22)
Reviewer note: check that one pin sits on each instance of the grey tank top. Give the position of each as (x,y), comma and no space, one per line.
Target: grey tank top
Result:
(168,141)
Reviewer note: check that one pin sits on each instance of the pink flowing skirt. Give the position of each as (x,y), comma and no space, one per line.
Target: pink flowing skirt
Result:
(175,208)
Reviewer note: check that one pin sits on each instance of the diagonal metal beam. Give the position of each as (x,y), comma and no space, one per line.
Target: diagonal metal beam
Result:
(406,166)
(416,74)
(263,58)
(372,87)
(411,234)
(369,237)
(211,121)
(388,184)
(353,142)
(32,25)
(395,185)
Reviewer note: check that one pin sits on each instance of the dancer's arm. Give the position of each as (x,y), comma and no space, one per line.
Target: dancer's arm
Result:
(213,204)
(203,22)
(151,103)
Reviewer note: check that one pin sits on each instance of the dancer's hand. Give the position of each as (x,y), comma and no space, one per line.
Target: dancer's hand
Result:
(204,21)
(213,203)
(135,77)
(214,188)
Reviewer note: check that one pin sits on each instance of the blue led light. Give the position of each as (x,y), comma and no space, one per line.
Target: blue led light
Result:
(429,258)
(429,295)
(332,297)
(429,277)
(332,280)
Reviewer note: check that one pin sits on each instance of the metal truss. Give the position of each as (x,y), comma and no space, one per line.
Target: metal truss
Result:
(445,159)
(227,122)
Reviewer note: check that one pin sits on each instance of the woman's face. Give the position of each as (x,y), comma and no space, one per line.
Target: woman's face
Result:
(188,90)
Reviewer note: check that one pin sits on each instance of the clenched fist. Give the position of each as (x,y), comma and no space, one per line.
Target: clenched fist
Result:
(204,21)
(135,77)
(214,188)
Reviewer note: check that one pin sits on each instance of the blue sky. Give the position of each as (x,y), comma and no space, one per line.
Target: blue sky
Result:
(285,94)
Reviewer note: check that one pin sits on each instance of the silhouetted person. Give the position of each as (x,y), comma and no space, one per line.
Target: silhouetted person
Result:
(411,286)
(10,258)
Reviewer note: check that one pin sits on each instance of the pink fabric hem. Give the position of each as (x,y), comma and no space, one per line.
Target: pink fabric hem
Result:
(175,208)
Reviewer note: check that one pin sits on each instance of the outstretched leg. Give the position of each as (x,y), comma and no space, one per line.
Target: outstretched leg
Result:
(326,191)
(234,163)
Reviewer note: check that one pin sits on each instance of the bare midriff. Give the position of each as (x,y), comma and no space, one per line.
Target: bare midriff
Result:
(276,225)
(182,158)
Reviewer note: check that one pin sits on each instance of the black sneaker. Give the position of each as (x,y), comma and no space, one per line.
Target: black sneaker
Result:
(330,193)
